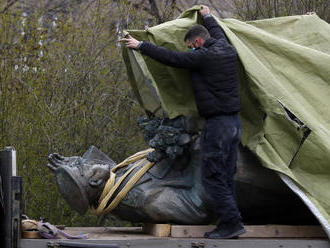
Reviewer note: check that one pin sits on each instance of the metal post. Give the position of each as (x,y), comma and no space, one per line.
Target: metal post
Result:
(12,194)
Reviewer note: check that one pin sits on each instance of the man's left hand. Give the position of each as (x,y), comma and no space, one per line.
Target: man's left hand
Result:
(204,10)
(130,42)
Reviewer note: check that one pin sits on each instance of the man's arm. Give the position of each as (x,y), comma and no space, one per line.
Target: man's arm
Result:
(211,24)
(166,56)
(171,58)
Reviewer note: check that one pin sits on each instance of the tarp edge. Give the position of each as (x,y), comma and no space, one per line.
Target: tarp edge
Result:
(293,186)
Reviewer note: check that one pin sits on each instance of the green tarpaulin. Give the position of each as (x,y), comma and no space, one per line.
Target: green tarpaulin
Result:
(285,93)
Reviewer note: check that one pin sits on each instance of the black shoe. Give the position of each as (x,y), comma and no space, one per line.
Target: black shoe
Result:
(226,231)
(207,234)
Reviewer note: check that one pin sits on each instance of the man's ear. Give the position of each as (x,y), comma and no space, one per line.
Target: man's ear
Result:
(199,41)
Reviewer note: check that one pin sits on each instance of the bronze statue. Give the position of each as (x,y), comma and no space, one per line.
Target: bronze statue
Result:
(171,191)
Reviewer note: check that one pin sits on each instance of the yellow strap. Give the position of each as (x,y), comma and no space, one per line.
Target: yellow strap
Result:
(111,186)
(111,181)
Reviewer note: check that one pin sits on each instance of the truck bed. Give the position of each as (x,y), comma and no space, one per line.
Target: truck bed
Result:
(130,237)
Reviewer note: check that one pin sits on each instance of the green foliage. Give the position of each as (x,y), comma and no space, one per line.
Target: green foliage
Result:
(260,9)
(64,88)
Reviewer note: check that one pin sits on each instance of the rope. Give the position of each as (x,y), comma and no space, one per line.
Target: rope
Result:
(111,186)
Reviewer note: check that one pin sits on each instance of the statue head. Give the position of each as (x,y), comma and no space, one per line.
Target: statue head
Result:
(80,180)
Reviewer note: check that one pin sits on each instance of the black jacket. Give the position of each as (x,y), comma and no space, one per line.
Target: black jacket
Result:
(213,69)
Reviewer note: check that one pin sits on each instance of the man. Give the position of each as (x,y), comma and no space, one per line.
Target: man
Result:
(213,67)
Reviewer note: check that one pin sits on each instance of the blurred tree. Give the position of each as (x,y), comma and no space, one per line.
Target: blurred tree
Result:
(259,9)
(64,88)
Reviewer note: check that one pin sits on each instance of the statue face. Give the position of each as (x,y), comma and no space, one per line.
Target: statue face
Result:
(81,185)
(80,179)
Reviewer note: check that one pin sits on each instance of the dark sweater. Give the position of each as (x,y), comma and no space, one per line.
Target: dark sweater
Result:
(213,69)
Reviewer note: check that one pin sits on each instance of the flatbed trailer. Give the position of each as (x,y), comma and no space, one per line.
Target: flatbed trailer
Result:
(149,236)
(180,243)
(135,238)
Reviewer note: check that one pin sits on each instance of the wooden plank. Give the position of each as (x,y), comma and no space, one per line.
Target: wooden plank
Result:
(260,231)
(190,231)
(284,231)
(158,230)
(109,233)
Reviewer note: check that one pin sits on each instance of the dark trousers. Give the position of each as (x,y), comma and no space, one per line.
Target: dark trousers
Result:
(219,147)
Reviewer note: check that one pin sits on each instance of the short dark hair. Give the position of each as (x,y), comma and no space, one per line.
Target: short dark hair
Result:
(197,31)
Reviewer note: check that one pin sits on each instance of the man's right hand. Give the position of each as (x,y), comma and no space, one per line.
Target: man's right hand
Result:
(204,10)
(130,42)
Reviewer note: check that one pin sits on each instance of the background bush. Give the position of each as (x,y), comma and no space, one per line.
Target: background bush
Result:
(64,88)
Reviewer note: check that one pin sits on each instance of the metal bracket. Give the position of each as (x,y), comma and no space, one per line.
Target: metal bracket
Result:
(197,245)
(63,244)
(52,244)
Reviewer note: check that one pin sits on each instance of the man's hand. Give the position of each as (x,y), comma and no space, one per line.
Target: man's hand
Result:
(204,10)
(130,42)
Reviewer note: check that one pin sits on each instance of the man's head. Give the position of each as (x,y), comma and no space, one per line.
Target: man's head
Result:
(196,36)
